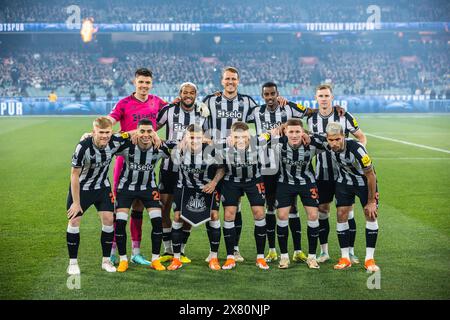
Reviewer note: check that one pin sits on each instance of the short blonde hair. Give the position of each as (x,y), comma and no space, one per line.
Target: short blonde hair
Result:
(334,128)
(102,123)
(230,69)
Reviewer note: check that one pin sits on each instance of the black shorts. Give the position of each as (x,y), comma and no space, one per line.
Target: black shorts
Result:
(150,198)
(176,205)
(270,183)
(102,199)
(326,190)
(287,195)
(345,195)
(167,181)
(233,191)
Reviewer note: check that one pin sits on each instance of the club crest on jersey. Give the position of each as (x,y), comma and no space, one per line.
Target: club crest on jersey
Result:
(229,114)
(197,203)
(283,114)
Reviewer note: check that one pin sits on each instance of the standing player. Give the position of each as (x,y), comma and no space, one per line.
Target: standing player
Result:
(267,117)
(199,172)
(176,117)
(296,178)
(89,185)
(326,171)
(137,181)
(225,110)
(243,159)
(128,111)
(356,177)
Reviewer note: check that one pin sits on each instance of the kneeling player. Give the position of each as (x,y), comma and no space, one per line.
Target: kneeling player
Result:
(243,160)
(197,172)
(296,178)
(89,185)
(137,181)
(356,178)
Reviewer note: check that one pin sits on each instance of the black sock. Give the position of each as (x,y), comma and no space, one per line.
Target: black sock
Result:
(283,234)
(296,231)
(106,240)
(167,236)
(271,222)
(229,235)
(313,235)
(121,236)
(177,239)
(214,238)
(73,242)
(371,238)
(186,234)
(260,235)
(156,234)
(238,227)
(351,232)
(343,238)
(324,230)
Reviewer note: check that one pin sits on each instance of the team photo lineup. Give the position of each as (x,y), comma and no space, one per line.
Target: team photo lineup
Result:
(210,157)
(244,152)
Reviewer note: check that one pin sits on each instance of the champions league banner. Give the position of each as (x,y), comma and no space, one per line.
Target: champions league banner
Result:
(226,27)
(355,104)
(196,206)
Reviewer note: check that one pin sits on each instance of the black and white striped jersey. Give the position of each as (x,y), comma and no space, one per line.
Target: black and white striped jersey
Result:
(195,169)
(94,162)
(296,163)
(351,162)
(175,119)
(225,112)
(138,173)
(325,169)
(266,119)
(247,164)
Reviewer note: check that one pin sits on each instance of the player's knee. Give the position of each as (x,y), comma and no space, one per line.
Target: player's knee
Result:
(75,222)
(324,208)
(214,215)
(259,214)
(108,218)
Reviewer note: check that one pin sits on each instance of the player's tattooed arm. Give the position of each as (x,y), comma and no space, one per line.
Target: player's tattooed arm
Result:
(211,186)
(370,209)
(75,208)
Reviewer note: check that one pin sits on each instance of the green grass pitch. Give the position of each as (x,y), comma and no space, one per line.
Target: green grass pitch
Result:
(413,248)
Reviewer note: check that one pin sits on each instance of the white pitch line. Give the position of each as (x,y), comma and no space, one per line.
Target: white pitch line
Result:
(408,143)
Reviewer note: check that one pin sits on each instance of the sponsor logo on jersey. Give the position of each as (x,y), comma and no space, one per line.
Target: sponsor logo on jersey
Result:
(141,167)
(229,114)
(269,126)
